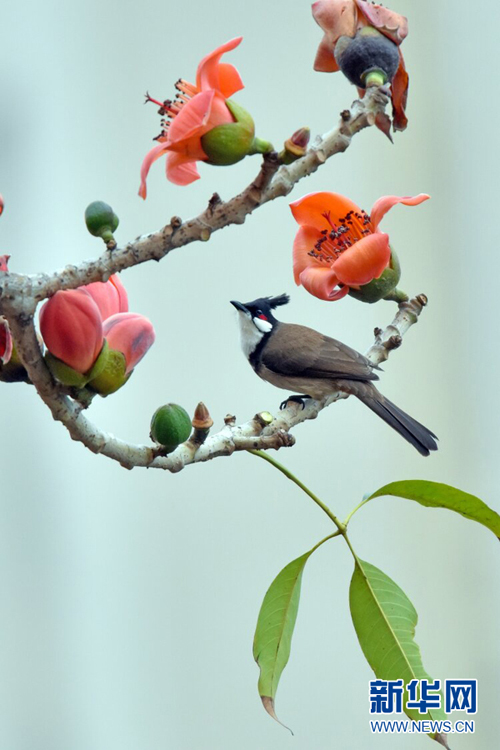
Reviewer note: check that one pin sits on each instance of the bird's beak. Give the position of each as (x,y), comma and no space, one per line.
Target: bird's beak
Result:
(239,306)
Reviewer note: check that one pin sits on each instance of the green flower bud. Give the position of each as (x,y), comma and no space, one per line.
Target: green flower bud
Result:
(379,288)
(101,220)
(229,143)
(170,426)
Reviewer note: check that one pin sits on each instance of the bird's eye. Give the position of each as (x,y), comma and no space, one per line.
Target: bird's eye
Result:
(260,315)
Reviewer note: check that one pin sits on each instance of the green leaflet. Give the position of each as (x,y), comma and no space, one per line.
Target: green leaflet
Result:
(437,495)
(385,621)
(275,624)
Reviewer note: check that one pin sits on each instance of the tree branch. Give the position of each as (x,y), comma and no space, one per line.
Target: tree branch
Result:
(20,295)
(262,432)
(273,181)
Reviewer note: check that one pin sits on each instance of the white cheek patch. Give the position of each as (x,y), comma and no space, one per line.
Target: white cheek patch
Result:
(250,335)
(263,325)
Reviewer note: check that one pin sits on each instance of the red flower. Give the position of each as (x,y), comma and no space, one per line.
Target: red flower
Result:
(110,297)
(5,341)
(344,18)
(197,110)
(338,245)
(131,334)
(71,327)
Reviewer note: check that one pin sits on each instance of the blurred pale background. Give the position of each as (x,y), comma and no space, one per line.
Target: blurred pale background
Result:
(129,599)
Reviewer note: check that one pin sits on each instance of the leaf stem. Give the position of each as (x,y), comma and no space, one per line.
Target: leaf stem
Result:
(356,509)
(261,454)
(341,527)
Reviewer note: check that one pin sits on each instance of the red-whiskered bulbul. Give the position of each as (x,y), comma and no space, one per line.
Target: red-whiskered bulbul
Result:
(309,363)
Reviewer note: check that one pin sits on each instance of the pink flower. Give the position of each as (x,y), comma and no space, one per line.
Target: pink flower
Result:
(196,110)
(71,327)
(4,259)
(338,245)
(131,334)
(5,341)
(110,297)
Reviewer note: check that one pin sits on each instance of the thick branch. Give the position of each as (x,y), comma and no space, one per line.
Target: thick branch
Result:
(261,432)
(273,181)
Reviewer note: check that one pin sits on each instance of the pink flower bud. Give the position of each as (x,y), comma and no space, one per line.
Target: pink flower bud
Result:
(131,334)
(1,204)
(71,327)
(4,259)
(5,342)
(110,297)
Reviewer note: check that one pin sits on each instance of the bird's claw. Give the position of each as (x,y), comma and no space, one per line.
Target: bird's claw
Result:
(297,399)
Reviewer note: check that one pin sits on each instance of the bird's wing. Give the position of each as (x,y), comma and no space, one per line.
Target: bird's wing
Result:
(298,350)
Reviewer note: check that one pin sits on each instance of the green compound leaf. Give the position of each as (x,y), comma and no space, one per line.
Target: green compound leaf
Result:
(437,495)
(385,621)
(275,625)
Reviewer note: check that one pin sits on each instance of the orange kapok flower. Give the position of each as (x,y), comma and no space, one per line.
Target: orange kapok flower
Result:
(339,246)
(344,19)
(202,124)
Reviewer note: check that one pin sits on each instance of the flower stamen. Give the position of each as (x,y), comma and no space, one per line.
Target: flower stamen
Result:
(351,228)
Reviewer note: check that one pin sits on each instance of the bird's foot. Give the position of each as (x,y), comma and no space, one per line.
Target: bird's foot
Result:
(297,399)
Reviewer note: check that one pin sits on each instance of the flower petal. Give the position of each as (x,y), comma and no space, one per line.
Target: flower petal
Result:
(229,80)
(336,17)
(325,61)
(5,341)
(311,208)
(304,241)
(131,334)
(384,204)
(181,170)
(70,323)
(399,88)
(110,297)
(321,283)
(364,261)
(391,24)
(208,73)
(190,121)
(150,157)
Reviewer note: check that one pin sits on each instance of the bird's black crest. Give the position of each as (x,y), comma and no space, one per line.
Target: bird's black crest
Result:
(282,299)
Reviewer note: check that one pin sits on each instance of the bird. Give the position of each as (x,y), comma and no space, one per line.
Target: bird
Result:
(312,365)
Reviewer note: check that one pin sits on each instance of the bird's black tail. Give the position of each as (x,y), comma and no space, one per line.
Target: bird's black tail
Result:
(419,436)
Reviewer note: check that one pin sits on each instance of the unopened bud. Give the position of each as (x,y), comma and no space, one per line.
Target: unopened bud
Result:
(296,146)
(170,426)
(202,419)
(4,259)
(101,221)
(1,204)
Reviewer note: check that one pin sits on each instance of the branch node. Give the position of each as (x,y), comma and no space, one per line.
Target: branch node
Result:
(175,222)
